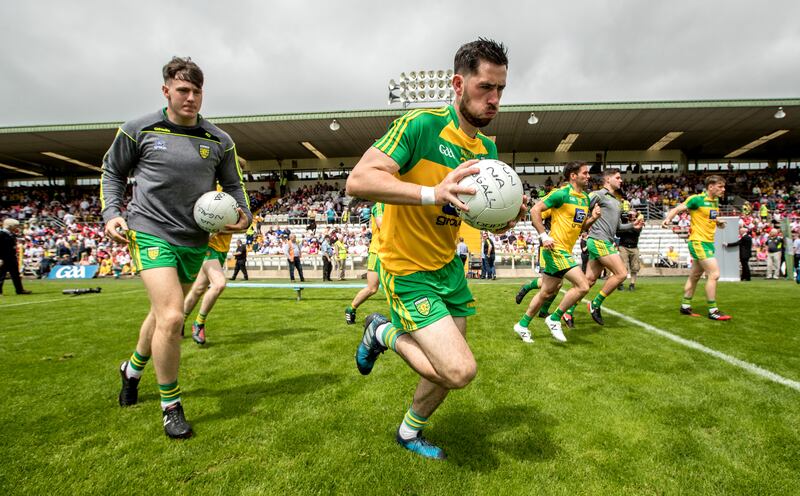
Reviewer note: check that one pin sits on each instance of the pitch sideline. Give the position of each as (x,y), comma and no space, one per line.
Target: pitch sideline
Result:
(749,367)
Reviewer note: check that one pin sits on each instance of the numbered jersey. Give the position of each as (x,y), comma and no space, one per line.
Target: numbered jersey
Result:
(568,211)
(427,144)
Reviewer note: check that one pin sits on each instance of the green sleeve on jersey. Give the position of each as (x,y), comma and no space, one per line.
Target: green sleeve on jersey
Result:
(694,201)
(400,142)
(377,209)
(556,198)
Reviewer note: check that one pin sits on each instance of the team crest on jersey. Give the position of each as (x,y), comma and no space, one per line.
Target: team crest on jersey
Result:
(205,151)
(423,306)
(152,253)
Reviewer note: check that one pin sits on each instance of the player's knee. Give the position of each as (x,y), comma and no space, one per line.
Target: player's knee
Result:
(460,377)
(372,290)
(171,321)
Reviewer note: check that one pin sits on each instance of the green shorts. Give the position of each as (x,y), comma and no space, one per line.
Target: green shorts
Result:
(701,250)
(418,300)
(212,254)
(557,262)
(148,252)
(374,263)
(599,248)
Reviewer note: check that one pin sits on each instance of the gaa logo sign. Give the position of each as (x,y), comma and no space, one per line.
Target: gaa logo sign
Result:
(73,272)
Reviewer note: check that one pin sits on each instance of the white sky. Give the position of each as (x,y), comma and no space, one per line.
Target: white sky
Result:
(100,61)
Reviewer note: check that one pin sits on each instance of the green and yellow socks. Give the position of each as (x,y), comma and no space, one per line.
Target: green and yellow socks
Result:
(599,299)
(136,364)
(525,320)
(412,424)
(170,394)
(387,335)
(201,319)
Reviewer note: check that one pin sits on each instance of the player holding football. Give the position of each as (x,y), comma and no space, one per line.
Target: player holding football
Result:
(175,156)
(603,254)
(704,210)
(415,169)
(373,265)
(569,216)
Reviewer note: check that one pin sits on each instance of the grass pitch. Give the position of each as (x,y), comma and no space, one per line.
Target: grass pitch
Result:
(279,408)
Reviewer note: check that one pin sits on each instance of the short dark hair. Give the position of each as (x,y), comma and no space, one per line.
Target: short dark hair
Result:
(184,69)
(470,55)
(572,168)
(714,179)
(610,171)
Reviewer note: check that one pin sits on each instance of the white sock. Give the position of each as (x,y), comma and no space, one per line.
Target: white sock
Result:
(379,333)
(167,404)
(132,373)
(406,432)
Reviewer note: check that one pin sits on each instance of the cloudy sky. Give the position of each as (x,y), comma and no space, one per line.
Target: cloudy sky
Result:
(100,61)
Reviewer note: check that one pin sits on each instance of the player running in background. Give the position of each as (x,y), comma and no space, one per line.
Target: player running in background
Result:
(704,212)
(415,169)
(210,282)
(602,251)
(536,282)
(373,265)
(569,216)
(175,156)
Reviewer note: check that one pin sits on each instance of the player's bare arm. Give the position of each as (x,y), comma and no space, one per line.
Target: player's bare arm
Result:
(536,220)
(374,178)
(671,214)
(596,211)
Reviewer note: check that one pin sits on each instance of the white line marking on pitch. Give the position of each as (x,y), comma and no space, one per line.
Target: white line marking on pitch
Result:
(754,369)
(71,299)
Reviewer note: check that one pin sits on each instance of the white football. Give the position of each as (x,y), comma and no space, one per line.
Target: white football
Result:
(215,210)
(497,198)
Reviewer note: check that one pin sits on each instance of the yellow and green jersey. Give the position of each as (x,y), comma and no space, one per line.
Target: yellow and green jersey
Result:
(568,211)
(704,212)
(427,144)
(375,213)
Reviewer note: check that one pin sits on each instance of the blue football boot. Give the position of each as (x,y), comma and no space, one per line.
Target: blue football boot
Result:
(369,349)
(421,447)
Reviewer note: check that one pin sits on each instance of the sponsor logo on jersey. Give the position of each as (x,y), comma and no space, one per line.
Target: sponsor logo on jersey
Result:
(712,214)
(423,306)
(160,145)
(580,216)
(447,152)
(152,253)
(205,151)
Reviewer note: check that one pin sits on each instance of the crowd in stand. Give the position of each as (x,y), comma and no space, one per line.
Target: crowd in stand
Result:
(63,225)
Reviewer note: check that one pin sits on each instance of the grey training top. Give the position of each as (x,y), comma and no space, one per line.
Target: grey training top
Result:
(172,167)
(605,228)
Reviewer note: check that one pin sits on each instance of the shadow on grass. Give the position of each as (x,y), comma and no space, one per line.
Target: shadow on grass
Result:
(474,439)
(240,400)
